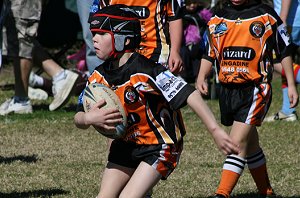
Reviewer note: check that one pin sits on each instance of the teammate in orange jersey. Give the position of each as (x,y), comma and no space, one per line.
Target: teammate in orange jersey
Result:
(152,97)
(161,30)
(242,35)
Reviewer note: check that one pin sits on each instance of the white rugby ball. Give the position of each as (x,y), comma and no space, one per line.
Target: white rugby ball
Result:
(95,92)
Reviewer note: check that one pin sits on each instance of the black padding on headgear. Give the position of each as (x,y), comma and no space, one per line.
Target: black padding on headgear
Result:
(122,21)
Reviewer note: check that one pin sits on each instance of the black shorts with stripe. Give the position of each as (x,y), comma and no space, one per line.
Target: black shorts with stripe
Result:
(247,103)
(162,157)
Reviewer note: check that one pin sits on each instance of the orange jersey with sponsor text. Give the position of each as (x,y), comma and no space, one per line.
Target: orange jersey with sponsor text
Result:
(153,16)
(242,42)
(151,96)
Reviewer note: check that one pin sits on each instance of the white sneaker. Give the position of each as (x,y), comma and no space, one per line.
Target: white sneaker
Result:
(32,82)
(281,116)
(37,94)
(62,90)
(9,106)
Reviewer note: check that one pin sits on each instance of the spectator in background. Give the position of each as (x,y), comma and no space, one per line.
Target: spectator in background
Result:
(195,17)
(62,83)
(21,24)
(2,12)
(289,12)
(91,59)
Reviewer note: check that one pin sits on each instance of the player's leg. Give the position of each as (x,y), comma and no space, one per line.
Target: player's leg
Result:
(155,162)
(256,162)
(234,164)
(248,108)
(286,113)
(114,179)
(119,169)
(18,45)
(144,178)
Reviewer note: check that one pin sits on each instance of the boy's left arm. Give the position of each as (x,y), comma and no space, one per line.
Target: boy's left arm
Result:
(221,138)
(289,73)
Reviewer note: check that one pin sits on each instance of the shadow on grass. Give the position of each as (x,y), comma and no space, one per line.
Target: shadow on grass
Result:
(7,87)
(45,107)
(34,193)
(70,107)
(248,195)
(22,158)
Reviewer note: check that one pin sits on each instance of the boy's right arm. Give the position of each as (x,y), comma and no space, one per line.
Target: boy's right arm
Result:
(221,138)
(289,74)
(284,12)
(175,62)
(205,69)
(102,118)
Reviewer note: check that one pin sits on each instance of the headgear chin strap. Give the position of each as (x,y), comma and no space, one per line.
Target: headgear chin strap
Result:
(118,45)
(120,42)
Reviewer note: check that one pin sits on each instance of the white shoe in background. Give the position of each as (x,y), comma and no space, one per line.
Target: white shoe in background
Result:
(62,90)
(37,94)
(10,106)
(281,116)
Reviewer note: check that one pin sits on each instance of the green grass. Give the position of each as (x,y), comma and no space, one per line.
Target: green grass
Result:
(45,155)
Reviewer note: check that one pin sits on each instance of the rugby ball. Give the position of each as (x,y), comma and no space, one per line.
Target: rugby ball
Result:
(95,92)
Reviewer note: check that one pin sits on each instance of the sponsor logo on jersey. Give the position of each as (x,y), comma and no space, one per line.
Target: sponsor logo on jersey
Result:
(257,29)
(238,21)
(142,11)
(284,34)
(220,29)
(131,95)
(169,84)
(238,53)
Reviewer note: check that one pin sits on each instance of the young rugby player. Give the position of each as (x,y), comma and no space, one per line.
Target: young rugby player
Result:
(152,97)
(242,35)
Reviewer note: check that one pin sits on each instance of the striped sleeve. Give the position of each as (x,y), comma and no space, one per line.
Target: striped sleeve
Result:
(174,10)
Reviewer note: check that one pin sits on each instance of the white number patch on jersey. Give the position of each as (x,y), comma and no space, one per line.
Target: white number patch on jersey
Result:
(284,34)
(169,84)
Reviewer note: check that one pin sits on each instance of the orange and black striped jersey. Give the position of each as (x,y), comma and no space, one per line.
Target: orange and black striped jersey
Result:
(152,97)
(153,17)
(242,42)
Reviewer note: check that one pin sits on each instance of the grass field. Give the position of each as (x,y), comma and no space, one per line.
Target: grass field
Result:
(45,155)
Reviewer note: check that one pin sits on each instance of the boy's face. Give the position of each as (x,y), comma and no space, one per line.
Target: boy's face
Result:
(192,7)
(103,45)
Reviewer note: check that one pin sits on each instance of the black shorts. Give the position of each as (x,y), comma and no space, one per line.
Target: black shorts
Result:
(247,103)
(162,157)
